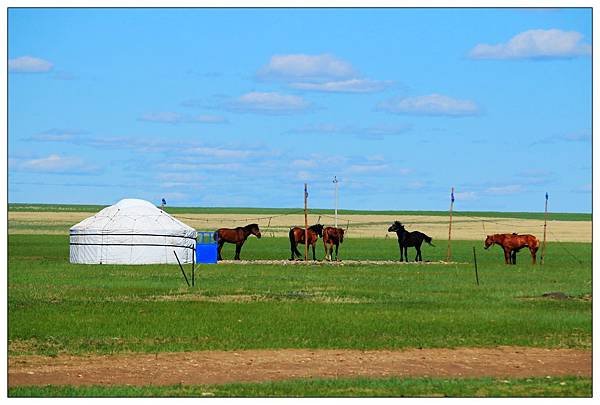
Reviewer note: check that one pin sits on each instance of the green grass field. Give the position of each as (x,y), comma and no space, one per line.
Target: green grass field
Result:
(57,307)
(359,387)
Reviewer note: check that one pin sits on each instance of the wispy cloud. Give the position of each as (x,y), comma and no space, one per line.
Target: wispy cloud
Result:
(62,75)
(268,103)
(505,190)
(535,44)
(56,135)
(431,105)
(583,136)
(368,132)
(54,164)
(345,86)
(29,64)
(536,176)
(220,153)
(167,117)
(465,195)
(323,73)
(307,67)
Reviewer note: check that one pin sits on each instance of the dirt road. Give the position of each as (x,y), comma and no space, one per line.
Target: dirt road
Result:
(217,367)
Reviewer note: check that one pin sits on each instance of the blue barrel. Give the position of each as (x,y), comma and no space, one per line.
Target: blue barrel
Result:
(206,248)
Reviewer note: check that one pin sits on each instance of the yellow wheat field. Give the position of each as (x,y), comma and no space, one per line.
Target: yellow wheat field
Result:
(358,226)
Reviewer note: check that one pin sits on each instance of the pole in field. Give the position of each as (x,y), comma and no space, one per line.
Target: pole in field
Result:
(193,266)
(545,224)
(305,224)
(184,276)
(475,261)
(449,254)
(335,181)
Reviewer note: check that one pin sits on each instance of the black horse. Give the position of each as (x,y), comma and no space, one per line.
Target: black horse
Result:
(409,239)
(297,236)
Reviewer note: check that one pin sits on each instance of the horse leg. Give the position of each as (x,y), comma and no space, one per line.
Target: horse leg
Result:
(533,253)
(507,255)
(514,257)
(419,256)
(292,248)
(337,245)
(238,249)
(219,247)
(313,249)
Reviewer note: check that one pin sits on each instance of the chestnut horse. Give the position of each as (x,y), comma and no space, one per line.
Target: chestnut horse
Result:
(297,236)
(237,236)
(511,243)
(332,236)
(407,239)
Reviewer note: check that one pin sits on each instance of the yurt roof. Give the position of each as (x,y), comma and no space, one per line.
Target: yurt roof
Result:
(135,216)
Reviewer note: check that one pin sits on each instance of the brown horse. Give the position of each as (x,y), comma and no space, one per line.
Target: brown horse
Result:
(237,236)
(511,243)
(297,236)
(332,236)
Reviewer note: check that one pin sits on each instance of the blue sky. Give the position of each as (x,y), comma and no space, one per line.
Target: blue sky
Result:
(241,107)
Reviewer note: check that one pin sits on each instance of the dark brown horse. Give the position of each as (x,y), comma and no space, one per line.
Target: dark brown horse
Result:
(511,243)
(237,236)
(297,236)
(407,239)
(332,236)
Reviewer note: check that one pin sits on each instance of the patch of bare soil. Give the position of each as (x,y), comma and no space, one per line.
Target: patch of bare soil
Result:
(333,262)
(218,367)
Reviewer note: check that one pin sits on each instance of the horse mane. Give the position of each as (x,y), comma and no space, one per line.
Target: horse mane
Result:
(250,226)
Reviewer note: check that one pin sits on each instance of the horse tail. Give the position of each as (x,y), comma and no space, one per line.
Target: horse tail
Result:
(428,240)
(216,235)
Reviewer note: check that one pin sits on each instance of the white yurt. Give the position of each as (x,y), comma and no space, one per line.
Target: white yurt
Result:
(132,232)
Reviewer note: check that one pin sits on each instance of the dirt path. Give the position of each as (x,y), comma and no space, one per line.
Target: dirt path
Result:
(217,367)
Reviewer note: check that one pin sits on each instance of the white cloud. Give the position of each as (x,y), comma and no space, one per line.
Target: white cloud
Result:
(29,64)
(304,163)
(371,132)
(535,44)
(56,135)
(208,119)
(54,164)
(368,168)
(505,190)
(302,66)
(345,86)
(268,103)
(167,117)
(220,153)
(325,73)
(465,196)
(432,104)
(164,117)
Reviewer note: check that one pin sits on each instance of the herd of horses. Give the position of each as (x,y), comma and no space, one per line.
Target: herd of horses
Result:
(511,243)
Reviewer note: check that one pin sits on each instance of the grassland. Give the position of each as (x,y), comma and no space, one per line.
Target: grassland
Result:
(360,387)
(56,307)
